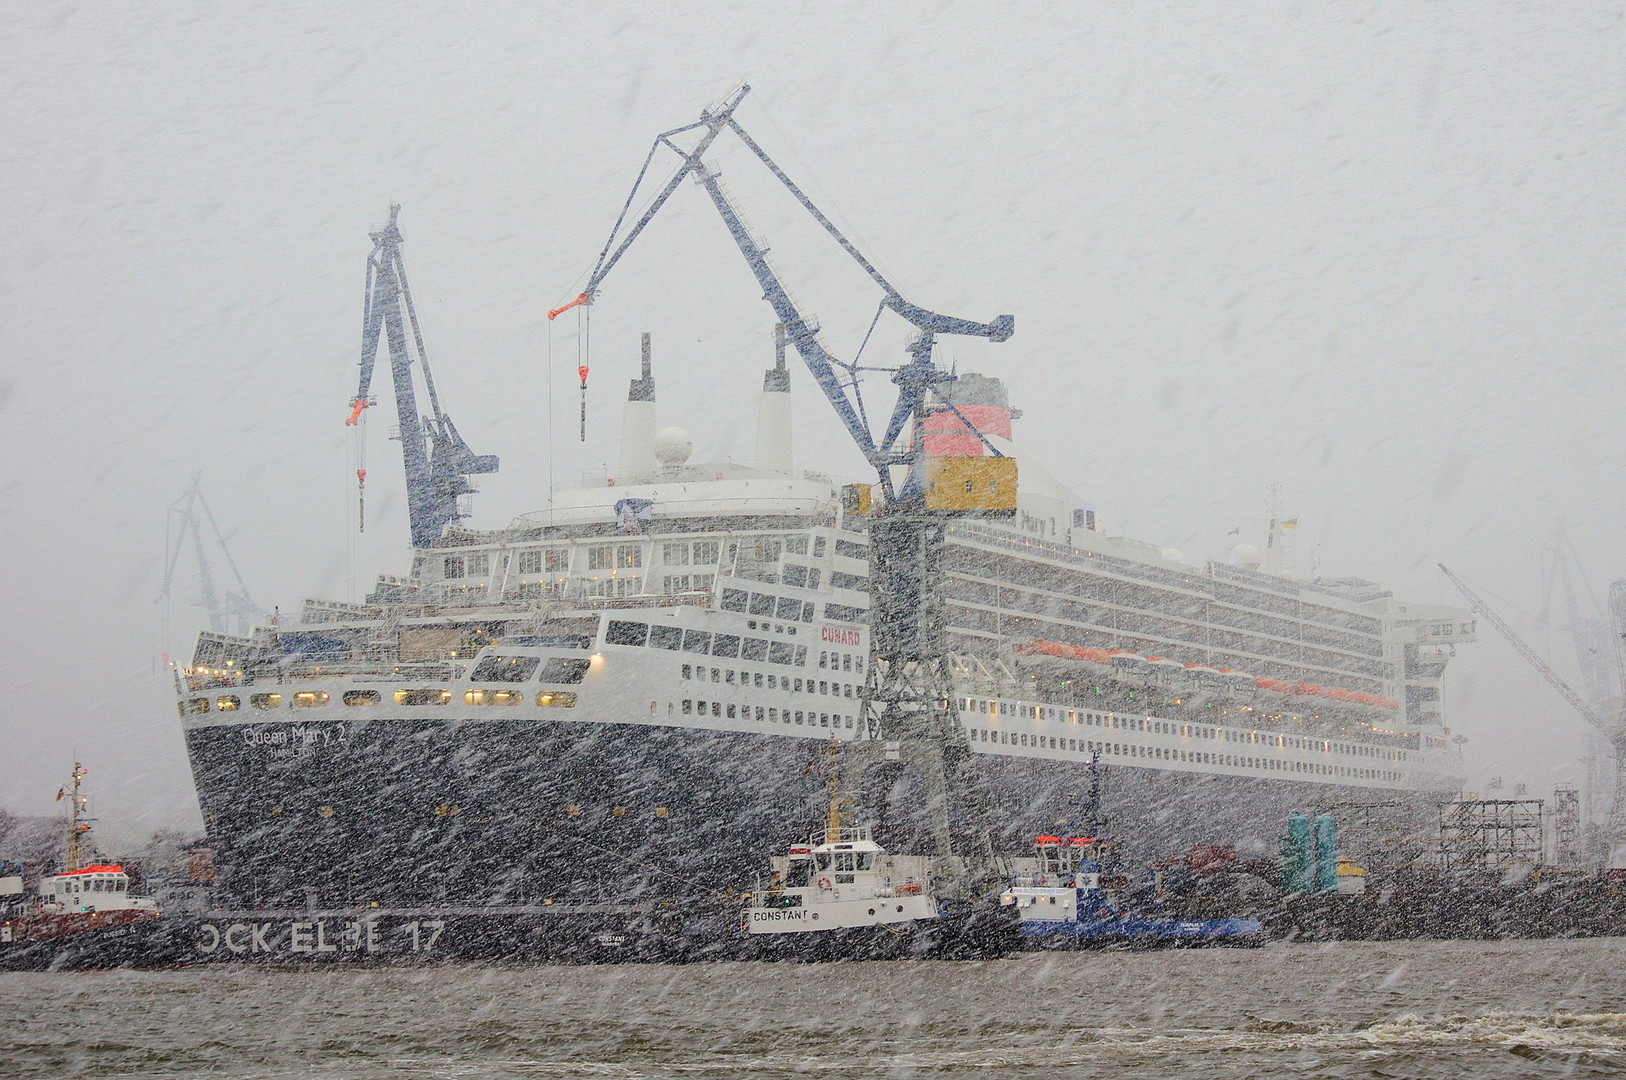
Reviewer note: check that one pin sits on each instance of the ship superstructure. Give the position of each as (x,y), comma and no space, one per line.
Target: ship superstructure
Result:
(639,675)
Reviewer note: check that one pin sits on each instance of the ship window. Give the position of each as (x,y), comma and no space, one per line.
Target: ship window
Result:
(781,652)
(508,669)
(198,705)
(665,637)
(807,612)
(788,608)
(728,676)
(716,708)
(421,696)
(688,672)
(756,679)
(312,699)
(761,604)
(824,719)
(798,686)
(452,566)
(556,699)
(474,697)
(731,712)
(530,562)
(629,555)
(265,701)
(754,649)
(795,576)
(362,697)
(229,703)
(515,697)
(696,641)
(601,557)
(479,565)
(620,632)
(798,716)
(759,713)
(725,645)
(688,707)
(565,671)
(813,579)
(735,600)
(801,656)
(824,659)
(705,552)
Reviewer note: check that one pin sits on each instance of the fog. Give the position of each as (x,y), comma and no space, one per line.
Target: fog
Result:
(1370,253)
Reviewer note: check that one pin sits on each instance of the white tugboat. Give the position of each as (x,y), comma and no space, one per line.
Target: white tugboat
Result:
(842,880)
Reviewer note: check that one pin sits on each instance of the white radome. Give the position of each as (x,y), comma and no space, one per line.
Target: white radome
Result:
(1246,556)
(672,446)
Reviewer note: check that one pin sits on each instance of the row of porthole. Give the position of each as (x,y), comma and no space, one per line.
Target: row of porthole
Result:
(314,699)
(453,809)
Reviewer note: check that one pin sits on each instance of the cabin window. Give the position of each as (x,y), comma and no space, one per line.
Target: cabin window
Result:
(479,565)
(529,561)
(761,604)
(265,701)
(558,699)
(781,652)
(506,669)
(565,670)
(705,552)
(754,649)
(735,600)
(428,695)
(788,609)
(601,557)
(620,632)
(315,699)
(228,703)
(629,556)
(726,645)
(813,578)
(822,861)
(452,567)
(698,641)
(198,705)
(688,707)
(362,697)
(665,637)
(795,576)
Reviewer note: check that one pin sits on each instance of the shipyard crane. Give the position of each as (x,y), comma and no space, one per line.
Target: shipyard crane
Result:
(909,703)
(438,461)
(183,522)
(1612,728)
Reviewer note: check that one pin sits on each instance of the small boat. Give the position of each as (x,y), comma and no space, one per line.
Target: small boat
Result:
(840,893)
(81,899)
(1077,895)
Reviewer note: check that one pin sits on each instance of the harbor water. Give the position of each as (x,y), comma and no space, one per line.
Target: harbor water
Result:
(1390,1010)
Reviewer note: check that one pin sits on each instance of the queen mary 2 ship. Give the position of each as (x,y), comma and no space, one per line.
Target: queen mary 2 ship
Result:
(622,696)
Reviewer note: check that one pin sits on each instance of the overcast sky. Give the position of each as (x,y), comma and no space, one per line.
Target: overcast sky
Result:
(1370,252)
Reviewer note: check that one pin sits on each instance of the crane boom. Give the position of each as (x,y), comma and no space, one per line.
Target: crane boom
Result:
(1576,700)
(915,380)
(438,461)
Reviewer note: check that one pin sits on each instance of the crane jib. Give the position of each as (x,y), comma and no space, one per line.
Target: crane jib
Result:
(915,380)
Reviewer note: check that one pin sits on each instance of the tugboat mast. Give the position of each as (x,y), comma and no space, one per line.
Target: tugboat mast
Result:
(76,825)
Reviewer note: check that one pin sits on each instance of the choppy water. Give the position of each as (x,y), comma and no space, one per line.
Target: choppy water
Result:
(1454,1009)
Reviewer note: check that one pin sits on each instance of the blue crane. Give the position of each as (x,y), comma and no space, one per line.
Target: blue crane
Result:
(915,380)
(438,461)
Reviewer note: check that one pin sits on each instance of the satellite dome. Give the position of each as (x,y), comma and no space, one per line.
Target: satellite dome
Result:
(1246,556)
(672,446)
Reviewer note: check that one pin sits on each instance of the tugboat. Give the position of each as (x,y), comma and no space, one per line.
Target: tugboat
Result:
(841,895)
(81,903)
(1078,896)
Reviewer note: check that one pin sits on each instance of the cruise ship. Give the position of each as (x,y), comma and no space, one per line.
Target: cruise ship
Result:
(623,697)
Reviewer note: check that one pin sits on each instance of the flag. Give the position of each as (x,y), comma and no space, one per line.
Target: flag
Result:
(1290,523)
(61,793)
(634,515)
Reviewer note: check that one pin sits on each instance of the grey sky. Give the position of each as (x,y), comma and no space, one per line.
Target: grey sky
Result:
(1371,252)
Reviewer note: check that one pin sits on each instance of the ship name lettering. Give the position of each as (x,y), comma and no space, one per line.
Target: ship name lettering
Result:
(299,937)
(838,636)
(776,916)
(213,942)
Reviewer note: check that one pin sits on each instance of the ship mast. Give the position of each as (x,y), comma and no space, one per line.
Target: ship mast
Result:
(77,825)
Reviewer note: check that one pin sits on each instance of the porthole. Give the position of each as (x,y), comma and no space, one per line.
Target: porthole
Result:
(362,697)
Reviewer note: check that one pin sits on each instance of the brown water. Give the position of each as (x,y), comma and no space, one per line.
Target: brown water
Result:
(1444,1009)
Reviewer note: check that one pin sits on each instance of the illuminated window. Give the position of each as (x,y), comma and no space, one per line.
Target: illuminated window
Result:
(423,696)
(558,699)
(310,699)
(229,703)
(265,701)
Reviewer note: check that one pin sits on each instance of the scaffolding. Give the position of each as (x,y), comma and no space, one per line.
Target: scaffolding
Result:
(1567,844)
(1493,835)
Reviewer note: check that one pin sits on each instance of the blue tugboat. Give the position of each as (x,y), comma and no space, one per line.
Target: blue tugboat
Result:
(1077,893)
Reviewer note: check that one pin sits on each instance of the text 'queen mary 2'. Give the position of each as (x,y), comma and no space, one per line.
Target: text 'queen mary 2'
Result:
(619,698)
